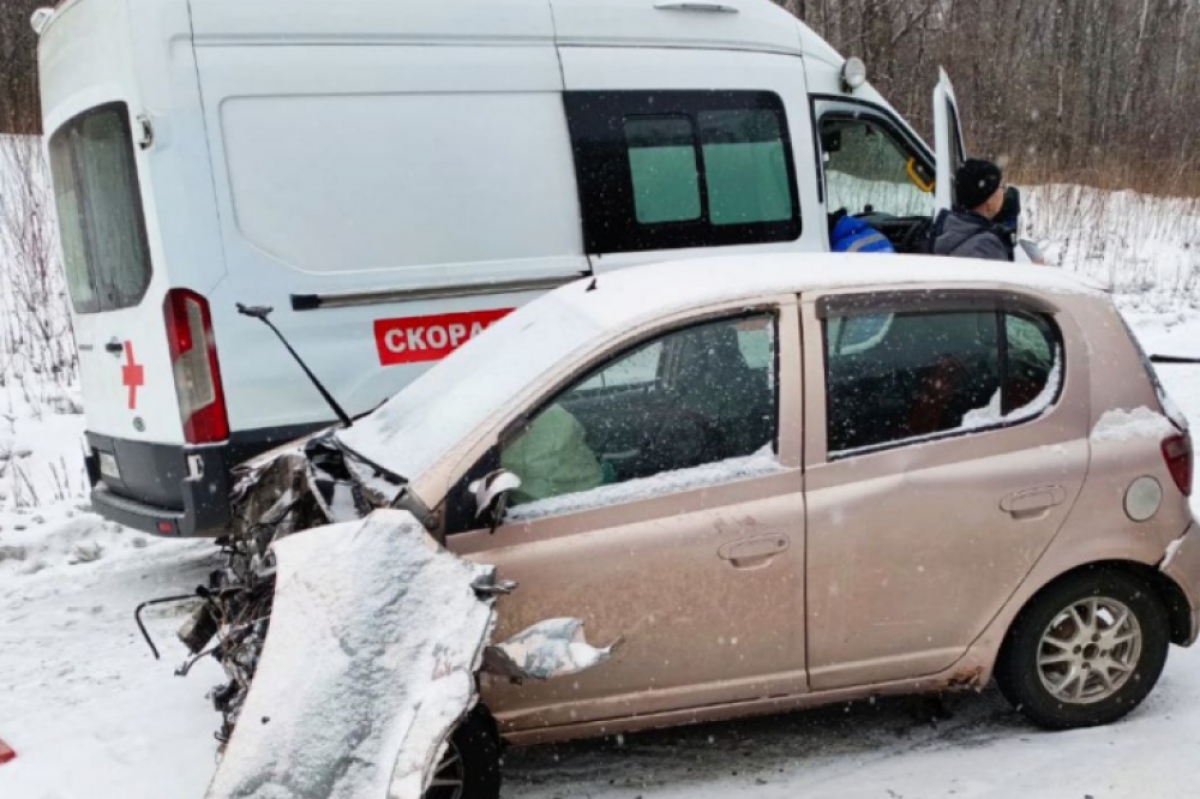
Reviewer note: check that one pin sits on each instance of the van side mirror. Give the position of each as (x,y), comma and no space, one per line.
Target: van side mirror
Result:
(491,496)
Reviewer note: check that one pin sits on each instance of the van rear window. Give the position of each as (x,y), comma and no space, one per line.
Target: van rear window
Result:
(100,213)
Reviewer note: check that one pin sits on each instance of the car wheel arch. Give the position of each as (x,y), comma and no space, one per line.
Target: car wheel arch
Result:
(1169,594)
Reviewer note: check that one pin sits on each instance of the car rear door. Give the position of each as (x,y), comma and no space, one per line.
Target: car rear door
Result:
(699,569)
(944,449)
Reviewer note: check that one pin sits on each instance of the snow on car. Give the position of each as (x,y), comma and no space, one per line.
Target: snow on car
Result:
(776,481)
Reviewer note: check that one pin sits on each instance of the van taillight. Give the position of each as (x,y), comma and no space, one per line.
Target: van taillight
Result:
(1177,451)
(194,362)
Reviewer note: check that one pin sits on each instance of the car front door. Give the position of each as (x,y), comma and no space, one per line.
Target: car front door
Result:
(944,449)
(662,504)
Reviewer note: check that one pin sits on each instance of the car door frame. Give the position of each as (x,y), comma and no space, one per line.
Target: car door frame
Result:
(481,545)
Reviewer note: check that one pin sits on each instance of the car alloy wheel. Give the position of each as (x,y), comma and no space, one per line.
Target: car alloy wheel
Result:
(1086,649)
(1089,650)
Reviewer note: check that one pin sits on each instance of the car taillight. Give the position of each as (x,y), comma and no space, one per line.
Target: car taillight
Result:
(194,362)
(1177,451)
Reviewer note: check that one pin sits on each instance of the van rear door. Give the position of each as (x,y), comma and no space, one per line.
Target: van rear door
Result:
(107,260)
(948,140)
(118,316)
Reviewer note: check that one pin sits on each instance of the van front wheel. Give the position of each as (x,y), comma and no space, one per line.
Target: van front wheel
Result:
(1085,652)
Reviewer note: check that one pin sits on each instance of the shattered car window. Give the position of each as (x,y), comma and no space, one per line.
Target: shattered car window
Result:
(907,377)
(711,397)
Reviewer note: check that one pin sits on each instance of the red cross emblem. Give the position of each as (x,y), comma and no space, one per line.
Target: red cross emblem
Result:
(133,375)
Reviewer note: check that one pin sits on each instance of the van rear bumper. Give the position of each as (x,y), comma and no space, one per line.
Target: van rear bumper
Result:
(174,490)
(202,489)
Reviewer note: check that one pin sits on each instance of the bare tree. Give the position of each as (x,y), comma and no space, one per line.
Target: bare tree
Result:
(37,350)
(1101,92)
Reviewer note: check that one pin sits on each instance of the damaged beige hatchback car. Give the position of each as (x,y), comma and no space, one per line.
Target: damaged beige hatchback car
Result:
(782,481)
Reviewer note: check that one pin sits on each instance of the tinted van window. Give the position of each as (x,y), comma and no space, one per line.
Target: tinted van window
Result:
(100,210)
(662,164)
(676,169)
(745,167)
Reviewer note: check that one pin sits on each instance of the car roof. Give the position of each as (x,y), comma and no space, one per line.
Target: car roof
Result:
(624,297)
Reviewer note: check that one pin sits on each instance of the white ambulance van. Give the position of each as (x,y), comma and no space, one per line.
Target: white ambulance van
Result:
(392,176)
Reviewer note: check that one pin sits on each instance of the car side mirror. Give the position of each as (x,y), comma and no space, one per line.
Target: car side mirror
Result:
(491,496)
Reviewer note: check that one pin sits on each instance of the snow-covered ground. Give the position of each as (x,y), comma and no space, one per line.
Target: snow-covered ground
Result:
(93,716)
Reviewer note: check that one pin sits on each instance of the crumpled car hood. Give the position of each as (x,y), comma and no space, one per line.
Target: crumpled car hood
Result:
(376,635)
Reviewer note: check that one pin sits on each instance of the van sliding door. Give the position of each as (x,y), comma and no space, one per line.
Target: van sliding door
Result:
(389,201)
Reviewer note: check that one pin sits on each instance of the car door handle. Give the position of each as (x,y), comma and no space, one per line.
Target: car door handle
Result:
(115,347)
(1033,501)
(750,552)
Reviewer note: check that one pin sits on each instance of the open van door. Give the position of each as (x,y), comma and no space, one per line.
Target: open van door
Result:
(948,141)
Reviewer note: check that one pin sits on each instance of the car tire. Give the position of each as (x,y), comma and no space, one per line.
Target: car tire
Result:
(470,769)
(1074,659)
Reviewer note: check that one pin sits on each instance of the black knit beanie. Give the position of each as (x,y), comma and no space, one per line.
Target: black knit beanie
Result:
(975,182)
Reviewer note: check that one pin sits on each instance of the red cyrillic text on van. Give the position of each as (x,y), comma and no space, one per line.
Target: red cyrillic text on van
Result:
(429,338)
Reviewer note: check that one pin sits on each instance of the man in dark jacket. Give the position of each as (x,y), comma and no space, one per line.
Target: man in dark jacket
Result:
(972,230)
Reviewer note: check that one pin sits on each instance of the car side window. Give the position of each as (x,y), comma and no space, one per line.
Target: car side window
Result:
(868,170)
(651,420)
(895,377)
(1033,369)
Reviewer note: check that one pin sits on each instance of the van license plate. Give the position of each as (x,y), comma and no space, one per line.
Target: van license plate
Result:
(108,466)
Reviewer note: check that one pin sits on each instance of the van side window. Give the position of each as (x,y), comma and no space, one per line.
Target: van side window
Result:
(100,210)
(895,377)
(662,163)
(677,169)
(676,405)
(745,166)
(868,170)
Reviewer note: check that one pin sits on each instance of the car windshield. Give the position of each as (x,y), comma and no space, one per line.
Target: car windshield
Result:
(411,431)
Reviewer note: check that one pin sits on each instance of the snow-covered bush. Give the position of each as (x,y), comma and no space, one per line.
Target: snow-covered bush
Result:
(40,403)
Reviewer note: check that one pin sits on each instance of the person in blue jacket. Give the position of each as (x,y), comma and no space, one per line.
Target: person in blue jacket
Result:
(850,234)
